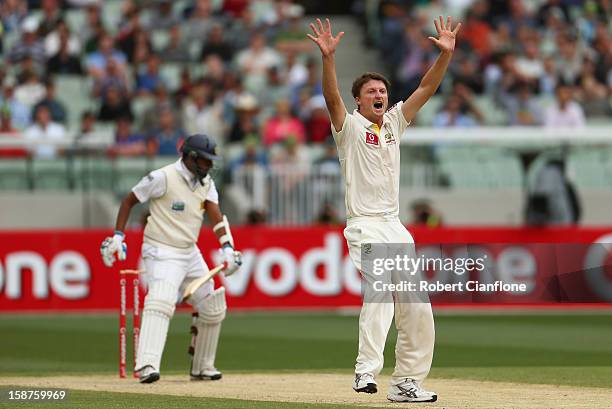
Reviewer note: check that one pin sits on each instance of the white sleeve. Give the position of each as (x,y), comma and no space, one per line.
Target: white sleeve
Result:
(151,186)
(397,118)
(213,195)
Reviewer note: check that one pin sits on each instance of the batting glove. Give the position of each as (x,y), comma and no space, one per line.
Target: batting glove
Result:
(111,246)
(232,258)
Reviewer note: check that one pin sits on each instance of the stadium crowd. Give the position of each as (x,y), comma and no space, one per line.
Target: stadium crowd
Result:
(241,70)
(516,53)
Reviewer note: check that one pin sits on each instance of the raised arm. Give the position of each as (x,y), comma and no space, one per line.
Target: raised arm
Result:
(432,79)
(327,44)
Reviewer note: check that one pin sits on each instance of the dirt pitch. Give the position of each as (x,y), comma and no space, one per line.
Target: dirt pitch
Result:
(335,388)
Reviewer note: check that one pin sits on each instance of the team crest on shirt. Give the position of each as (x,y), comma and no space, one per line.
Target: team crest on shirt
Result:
(389,139)
(178,206)
(371,139)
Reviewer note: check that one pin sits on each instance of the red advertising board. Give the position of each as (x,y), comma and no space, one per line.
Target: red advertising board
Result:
(298,267)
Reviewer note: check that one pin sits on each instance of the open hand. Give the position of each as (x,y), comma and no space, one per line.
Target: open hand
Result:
(324,38)
(446,40)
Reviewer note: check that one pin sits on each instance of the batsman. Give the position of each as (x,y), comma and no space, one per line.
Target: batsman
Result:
(368,142)
(179,194)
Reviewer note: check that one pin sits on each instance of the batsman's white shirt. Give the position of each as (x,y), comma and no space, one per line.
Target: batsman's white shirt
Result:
(176,201)
(370,161)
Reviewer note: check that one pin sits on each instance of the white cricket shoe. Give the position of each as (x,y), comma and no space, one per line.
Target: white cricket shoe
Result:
(212,374)
(365,382)
(409,390)
(148,374)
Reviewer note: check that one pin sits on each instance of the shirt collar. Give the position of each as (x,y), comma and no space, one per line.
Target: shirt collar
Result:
(366,122)
(186,173)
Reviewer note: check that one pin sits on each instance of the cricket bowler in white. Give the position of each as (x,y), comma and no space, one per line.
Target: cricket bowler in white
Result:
(368,148)
(179,194)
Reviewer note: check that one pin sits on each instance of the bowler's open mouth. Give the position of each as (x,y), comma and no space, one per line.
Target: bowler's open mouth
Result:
(378,105)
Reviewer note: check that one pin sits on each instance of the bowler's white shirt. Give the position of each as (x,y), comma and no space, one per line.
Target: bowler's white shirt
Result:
(370,162)
(153,185)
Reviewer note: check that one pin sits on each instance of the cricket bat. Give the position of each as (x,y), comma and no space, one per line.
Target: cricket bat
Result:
(199,282)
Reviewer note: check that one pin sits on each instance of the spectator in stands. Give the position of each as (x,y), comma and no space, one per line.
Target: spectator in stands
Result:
(548,80)
(477,31)
(523,107)
(276,88)
(44,130)
(283,125)
(216,44)
(149,78)
(253,155)
(200,21)
(246,125)
(569,58)
(467,72)
(96,62)
(318,124)
(162,17)
(565,112)
(29,44)
(530,65)
(26,68)
(551,198)
(51,18)
(592,94)
(6,127)
(66,59)
(56,108)
(241,29)
(21,114)
(254,61)
(297,74)
(93,29)
(114,77)
(53,40)
(114,105)
(215,70)
(460,110)
(87,128)
(292,38)
(12,13)
(201,112)
(424,214)
(127,142)
(31,91)
(308,89)
(161,102)
(166,139)
(175,50)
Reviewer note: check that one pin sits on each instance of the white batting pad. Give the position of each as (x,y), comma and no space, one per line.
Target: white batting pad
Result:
(159,307)
(211,312)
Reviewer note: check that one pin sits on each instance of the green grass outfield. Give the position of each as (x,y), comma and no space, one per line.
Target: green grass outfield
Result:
(565,349)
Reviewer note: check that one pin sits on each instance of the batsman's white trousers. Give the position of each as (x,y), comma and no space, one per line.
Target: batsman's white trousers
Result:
(176,268)
(414,321)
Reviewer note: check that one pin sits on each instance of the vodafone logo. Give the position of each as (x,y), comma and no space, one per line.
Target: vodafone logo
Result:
(371,138)
(67,275)
(339,275)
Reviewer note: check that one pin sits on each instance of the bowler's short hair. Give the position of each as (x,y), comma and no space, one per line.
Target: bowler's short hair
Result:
(359,81)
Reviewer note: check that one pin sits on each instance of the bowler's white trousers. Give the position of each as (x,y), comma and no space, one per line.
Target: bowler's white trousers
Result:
(414,321)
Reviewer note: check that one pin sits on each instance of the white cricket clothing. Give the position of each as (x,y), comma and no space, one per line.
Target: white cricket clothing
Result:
(414,321)
(370,162)
(171,257)
(177,211)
